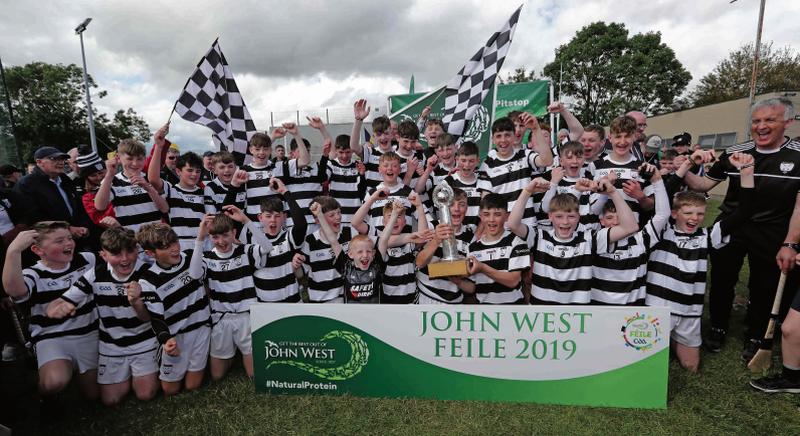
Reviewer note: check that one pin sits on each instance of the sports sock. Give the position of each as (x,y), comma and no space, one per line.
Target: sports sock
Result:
(791,374)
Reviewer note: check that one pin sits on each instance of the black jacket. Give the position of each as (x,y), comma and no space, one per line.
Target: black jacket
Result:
(44,203)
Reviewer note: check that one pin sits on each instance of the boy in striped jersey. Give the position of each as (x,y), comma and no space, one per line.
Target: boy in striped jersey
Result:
(437,167)
(305,182)
(399,280)
(61,346)
(562,268)
(636,191)
(390,189)
(475,185)
(410,164)
(228,269)
(128,347)
(177,308)
(217,189)
(619,275)
(509,170)
(676,271)
(254,178)
(186,199)
(276,282)
(324,282)
(136,202)
(445,290)
(369,153)
(563,178)
(346,184)
(497,259)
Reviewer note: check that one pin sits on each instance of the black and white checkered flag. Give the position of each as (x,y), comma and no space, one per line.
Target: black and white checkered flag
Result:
(212,99)
(465,92)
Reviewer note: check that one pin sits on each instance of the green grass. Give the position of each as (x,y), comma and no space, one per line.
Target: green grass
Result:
(718,400)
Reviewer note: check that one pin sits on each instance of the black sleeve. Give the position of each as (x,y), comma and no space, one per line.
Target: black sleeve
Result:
(322,169)
(741,214)
(298,218)
(340,261)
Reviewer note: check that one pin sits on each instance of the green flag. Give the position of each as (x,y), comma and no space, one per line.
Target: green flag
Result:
(411,85)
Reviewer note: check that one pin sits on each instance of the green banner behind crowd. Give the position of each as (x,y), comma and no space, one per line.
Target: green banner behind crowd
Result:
(582,355)
(529,97)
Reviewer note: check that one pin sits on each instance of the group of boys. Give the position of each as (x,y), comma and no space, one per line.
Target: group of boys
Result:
(179,271)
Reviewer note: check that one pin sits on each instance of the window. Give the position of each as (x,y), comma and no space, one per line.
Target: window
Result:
(717,141)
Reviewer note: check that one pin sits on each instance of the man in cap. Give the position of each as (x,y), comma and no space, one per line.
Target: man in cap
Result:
(207,173)
(50,195)
(682,143)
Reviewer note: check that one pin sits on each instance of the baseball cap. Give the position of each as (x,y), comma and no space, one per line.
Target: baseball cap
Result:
(654,142)
(49,152)
(208,153)
(682,139)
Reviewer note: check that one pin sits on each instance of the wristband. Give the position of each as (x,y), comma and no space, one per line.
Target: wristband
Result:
(793,246)
(746,166)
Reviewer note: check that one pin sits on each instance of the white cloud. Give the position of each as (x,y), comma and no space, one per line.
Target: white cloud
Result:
(307,55)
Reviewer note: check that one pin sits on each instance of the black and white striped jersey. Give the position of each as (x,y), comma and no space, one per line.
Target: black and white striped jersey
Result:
(619,275)
(676,271)
(186,211)
(509,253)
(229,276)
(45,285)
(172,295)
(215,192)
(399,278)
(344,187)
(474,190)
(442,289)
(305,183)
(122,333)
(440,172)
(257,187)
(508,177)
(324,282)
(133,206)
(628,170)
(562,269)
(276,282)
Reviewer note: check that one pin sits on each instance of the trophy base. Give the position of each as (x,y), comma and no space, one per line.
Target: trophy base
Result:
(448,268)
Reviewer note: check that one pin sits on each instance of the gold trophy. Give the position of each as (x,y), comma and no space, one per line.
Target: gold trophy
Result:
(451,264)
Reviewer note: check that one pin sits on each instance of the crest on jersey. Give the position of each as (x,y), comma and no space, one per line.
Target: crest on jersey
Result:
(786,167)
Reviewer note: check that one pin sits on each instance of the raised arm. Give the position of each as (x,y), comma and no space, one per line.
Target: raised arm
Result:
(316,123)
(514,222)
(627,221)
(544,156)
(361,111)
(154,169)
(13,281)
(359,219)
(103,197)
(303,157)
(693,181)
(383,241)
(258,236)
(196,269)
(295,211)
(327,231)
(573,125)
(422,182)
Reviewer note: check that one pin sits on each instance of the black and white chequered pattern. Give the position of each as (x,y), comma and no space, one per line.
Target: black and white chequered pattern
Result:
(465,92)
(212,99)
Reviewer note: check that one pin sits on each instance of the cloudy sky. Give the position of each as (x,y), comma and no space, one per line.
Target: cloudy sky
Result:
(312,54)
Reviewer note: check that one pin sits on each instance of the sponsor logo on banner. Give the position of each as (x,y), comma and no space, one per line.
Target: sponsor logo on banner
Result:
(321,358)
(641,332)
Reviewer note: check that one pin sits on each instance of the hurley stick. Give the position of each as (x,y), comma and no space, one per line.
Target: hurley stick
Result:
(763,358)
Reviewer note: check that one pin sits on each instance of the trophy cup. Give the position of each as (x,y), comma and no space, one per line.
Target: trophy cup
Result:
(451,264)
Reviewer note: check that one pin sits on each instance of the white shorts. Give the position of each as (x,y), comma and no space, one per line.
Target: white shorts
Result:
(337,300)
(80,350)
(686,330)
(117,369)
(424,299)
(232,331)
(193,346)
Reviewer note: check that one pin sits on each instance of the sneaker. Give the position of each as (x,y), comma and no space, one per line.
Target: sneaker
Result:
(750,349)
(715,339)
(775,384)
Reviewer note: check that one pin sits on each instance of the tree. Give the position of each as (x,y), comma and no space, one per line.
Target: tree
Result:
(520,75)
(778,70)
(50,109)
(608,73)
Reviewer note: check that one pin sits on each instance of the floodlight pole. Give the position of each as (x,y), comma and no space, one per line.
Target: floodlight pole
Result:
(756,56)
(79,31)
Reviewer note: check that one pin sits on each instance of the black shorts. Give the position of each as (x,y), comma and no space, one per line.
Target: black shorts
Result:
(796,302)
